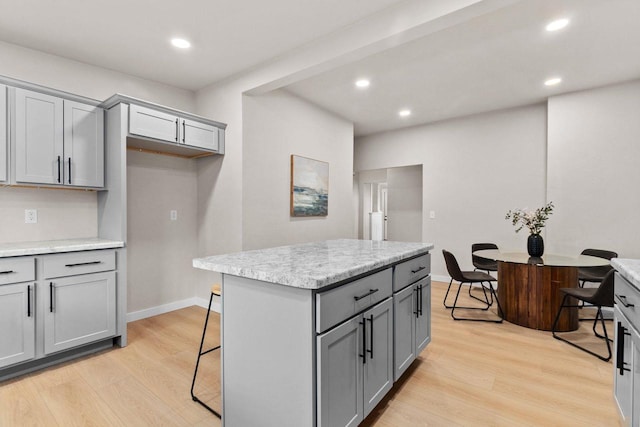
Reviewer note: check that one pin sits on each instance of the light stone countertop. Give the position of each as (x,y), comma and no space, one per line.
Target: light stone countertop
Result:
(313,265)
(629,269)
(56,246)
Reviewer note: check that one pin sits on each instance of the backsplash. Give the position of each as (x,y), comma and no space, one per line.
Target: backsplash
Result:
(61,214)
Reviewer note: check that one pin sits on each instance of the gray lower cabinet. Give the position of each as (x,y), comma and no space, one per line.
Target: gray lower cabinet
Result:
(412,324)
(17,323)
(57,142)
(623,381)
(635,341)
(355,366)
(3,133)
(81,310)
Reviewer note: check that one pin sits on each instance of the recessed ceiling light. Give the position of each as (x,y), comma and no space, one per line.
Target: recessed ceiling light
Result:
(404,113)
(362,83)
(558,24)
(181,43)
(552,81)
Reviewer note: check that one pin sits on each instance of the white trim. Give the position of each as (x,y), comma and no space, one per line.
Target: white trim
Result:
(172,306)
(445,279)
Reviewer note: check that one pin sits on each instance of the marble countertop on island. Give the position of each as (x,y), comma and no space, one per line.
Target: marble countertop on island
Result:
(56,246)
(313,265)
(629,269)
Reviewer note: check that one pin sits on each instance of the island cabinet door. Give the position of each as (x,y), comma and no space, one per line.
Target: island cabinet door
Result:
(635,345)
(378,366)
(623,386)
(423,314)
(17,327)
(340,375)
(404,347)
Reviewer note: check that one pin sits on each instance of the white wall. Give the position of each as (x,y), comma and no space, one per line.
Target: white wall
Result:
(404,204)
(474,169)
(160,251)
(275,126)
(594,170)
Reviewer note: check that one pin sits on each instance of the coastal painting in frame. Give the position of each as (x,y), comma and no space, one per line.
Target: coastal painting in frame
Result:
(309,187)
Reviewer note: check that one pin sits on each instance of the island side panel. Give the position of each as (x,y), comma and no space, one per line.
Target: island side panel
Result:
(268,351)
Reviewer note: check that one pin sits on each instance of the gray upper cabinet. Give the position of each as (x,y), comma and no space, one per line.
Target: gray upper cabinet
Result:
(153,124)
(199,135)
(83,145)
(150,123)
(3,133)
(38,138)
(57,141)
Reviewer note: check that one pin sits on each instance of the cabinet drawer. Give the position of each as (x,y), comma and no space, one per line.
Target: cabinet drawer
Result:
(71,264)
(627,299)
(16,270)
(336,305)
(410,271)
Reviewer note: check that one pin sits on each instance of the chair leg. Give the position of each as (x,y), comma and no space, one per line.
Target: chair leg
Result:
(598,315)
(200,354)
(486,298)
(455,306)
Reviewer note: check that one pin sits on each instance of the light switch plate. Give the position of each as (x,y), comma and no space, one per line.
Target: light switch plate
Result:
(173,215)
(432,214)
(30,216)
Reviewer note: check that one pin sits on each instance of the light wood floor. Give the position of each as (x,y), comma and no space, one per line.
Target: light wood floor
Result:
(472,374)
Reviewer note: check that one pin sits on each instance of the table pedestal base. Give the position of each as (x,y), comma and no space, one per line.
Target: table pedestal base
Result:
(529,295)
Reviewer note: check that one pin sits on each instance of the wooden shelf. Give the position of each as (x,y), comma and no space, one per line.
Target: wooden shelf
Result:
(166,148)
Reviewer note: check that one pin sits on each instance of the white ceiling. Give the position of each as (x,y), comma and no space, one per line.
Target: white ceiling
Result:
(496,60)
(132,36)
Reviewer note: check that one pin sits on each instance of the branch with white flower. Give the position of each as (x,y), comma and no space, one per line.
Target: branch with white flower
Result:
(533,220)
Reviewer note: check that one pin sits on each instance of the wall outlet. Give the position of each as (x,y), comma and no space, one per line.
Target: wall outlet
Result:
(173,215)
(432,214)
(30,216)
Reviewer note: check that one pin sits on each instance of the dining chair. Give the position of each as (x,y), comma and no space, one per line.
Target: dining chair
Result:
(469,277)
(602,296)
(595,274)
(484,264)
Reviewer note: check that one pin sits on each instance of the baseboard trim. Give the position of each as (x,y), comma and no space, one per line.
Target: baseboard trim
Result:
(172,306)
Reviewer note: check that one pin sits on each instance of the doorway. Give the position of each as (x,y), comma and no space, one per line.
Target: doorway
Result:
(390,204)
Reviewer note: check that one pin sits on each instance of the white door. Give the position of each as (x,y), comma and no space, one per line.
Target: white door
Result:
(3,133)
(378,367)
(81,309)
(17,326)
(83,145)
(404,348)
(423,316)
(340,375)
(383,206)
(39,138)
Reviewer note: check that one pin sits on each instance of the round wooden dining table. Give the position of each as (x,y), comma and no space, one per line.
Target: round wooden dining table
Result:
(528,287)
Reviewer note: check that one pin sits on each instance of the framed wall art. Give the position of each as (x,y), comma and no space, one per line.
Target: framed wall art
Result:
(309,187)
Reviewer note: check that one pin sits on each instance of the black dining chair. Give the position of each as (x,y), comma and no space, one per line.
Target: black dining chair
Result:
(602,296)
(484,264)
(469,277)
(595,274)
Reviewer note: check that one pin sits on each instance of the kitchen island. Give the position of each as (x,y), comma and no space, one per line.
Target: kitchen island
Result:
(317,333)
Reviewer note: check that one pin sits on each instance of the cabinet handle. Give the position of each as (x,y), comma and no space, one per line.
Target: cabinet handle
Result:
(419,269)
(364,341)
(69,170)
(177,130)
(184,130)
(59,170)
(417,311)
(370,351)
(83,263)
(7,272)
(50,297)
(620,363)
(420,301)
(28,300)
(623,300)
(371,292)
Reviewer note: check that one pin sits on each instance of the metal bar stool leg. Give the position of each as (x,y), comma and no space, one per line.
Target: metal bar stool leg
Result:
(200,354)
